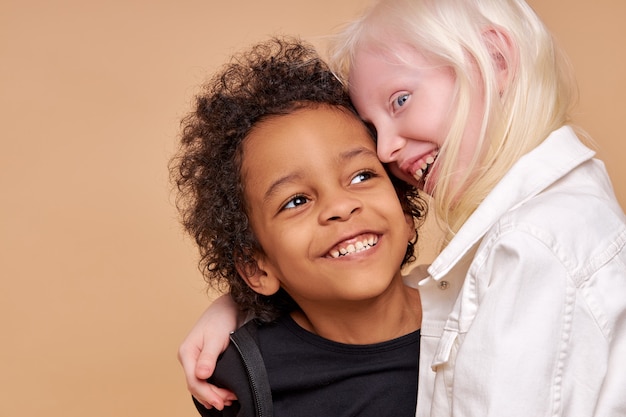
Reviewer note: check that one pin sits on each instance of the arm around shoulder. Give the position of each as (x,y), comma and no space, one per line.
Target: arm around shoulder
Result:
(199,351)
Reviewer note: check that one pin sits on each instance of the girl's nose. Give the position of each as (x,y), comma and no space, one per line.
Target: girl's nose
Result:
(388,144)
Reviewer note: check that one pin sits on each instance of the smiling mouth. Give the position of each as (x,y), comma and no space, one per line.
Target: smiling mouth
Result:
(424,165)
(360,244)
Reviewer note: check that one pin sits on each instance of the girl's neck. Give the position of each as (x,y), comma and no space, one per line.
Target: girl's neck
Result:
(367,322)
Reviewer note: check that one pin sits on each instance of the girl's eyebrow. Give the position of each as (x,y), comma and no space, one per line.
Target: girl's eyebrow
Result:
(292,177)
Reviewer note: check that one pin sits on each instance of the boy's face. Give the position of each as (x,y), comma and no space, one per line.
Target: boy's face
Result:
(323,207)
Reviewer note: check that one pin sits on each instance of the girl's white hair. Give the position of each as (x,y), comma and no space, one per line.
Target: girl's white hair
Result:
(470,35)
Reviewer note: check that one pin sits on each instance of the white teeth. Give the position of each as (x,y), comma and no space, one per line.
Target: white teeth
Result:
(425,165)
(359,246)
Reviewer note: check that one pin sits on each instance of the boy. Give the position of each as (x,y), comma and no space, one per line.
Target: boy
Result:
(281,187)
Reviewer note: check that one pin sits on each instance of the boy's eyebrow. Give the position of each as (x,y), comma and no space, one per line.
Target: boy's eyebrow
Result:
(356,151)
(273,188)
(341,158)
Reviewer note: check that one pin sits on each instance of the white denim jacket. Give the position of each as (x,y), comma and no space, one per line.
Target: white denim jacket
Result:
(524,312)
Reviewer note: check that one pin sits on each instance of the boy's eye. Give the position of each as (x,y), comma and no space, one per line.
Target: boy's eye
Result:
(295,202)
(362,176)
(400,100)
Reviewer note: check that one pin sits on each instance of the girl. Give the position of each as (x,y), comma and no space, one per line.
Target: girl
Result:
(524,308)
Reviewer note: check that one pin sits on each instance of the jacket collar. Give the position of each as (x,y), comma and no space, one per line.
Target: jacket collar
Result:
(556,156)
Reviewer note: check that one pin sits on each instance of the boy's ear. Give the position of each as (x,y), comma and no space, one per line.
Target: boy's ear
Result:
(503,52)
(410,226)
(260,277)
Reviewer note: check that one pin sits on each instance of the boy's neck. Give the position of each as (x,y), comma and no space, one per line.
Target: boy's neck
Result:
(367,322)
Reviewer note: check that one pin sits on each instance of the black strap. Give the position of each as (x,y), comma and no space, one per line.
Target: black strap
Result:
(245,342)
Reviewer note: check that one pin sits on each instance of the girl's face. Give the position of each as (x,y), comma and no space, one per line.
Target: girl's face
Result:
(410,103)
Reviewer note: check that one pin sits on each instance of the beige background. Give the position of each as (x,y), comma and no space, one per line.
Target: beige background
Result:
(97,283)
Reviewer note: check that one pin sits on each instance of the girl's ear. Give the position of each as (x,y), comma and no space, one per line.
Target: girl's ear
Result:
(503,52)
(260,277)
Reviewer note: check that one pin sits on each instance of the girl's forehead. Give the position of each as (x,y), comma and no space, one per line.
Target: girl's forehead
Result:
(397,55)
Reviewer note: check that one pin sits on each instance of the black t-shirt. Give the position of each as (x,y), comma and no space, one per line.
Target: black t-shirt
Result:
(310,376)
(313,376)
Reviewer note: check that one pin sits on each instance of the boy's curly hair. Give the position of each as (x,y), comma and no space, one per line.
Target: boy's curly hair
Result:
(275,77)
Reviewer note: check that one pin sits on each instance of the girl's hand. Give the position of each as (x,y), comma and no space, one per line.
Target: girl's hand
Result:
(199,352)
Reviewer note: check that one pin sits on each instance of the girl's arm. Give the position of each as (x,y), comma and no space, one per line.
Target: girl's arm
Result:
(199,351)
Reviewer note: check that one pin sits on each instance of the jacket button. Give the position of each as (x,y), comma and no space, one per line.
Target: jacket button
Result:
(443,285)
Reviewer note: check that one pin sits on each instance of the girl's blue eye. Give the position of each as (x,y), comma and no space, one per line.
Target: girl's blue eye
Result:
(295,202)
(400,100)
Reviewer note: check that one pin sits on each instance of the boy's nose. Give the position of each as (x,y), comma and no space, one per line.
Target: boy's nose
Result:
(340,207)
